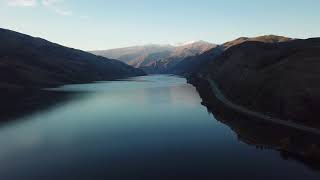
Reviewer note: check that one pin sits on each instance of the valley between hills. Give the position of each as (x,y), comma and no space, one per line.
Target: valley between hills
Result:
(271,74)
(245,83)
(159,90)
(276,75)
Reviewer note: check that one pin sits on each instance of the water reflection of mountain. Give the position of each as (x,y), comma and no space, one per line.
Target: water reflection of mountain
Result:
(291,144)
(17,103)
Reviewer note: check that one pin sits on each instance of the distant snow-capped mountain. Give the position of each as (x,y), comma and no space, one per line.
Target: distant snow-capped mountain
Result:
(155,58)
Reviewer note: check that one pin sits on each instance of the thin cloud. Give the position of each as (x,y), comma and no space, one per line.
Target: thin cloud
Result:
(24,3)
(50,2)
(56,6)
(84,17)
(63,12)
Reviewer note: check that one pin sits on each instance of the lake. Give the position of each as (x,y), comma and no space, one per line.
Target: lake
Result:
(149,127)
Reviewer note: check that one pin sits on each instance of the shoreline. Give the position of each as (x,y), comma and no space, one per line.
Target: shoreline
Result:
(218,94)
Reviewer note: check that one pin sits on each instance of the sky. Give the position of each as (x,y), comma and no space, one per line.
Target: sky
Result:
(106,24)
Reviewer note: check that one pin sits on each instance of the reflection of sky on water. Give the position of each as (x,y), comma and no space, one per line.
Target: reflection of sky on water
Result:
(141,82)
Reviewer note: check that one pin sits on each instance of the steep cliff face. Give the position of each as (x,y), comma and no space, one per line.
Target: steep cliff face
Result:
(31,62)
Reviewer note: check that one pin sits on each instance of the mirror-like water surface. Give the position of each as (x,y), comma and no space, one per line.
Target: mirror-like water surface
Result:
(151,127)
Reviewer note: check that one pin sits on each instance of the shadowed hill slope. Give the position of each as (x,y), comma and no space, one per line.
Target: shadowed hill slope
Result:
(280,79)
(265,39)
(31,62)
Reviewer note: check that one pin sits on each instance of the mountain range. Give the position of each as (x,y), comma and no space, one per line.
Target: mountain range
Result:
(179,59)
(156,58)
(192,64)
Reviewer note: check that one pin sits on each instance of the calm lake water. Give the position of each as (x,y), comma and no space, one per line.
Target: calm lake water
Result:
(151,127)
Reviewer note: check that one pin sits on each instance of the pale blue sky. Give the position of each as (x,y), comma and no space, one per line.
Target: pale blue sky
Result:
(104,24)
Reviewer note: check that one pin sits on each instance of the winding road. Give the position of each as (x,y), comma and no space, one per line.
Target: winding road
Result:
(220,96)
